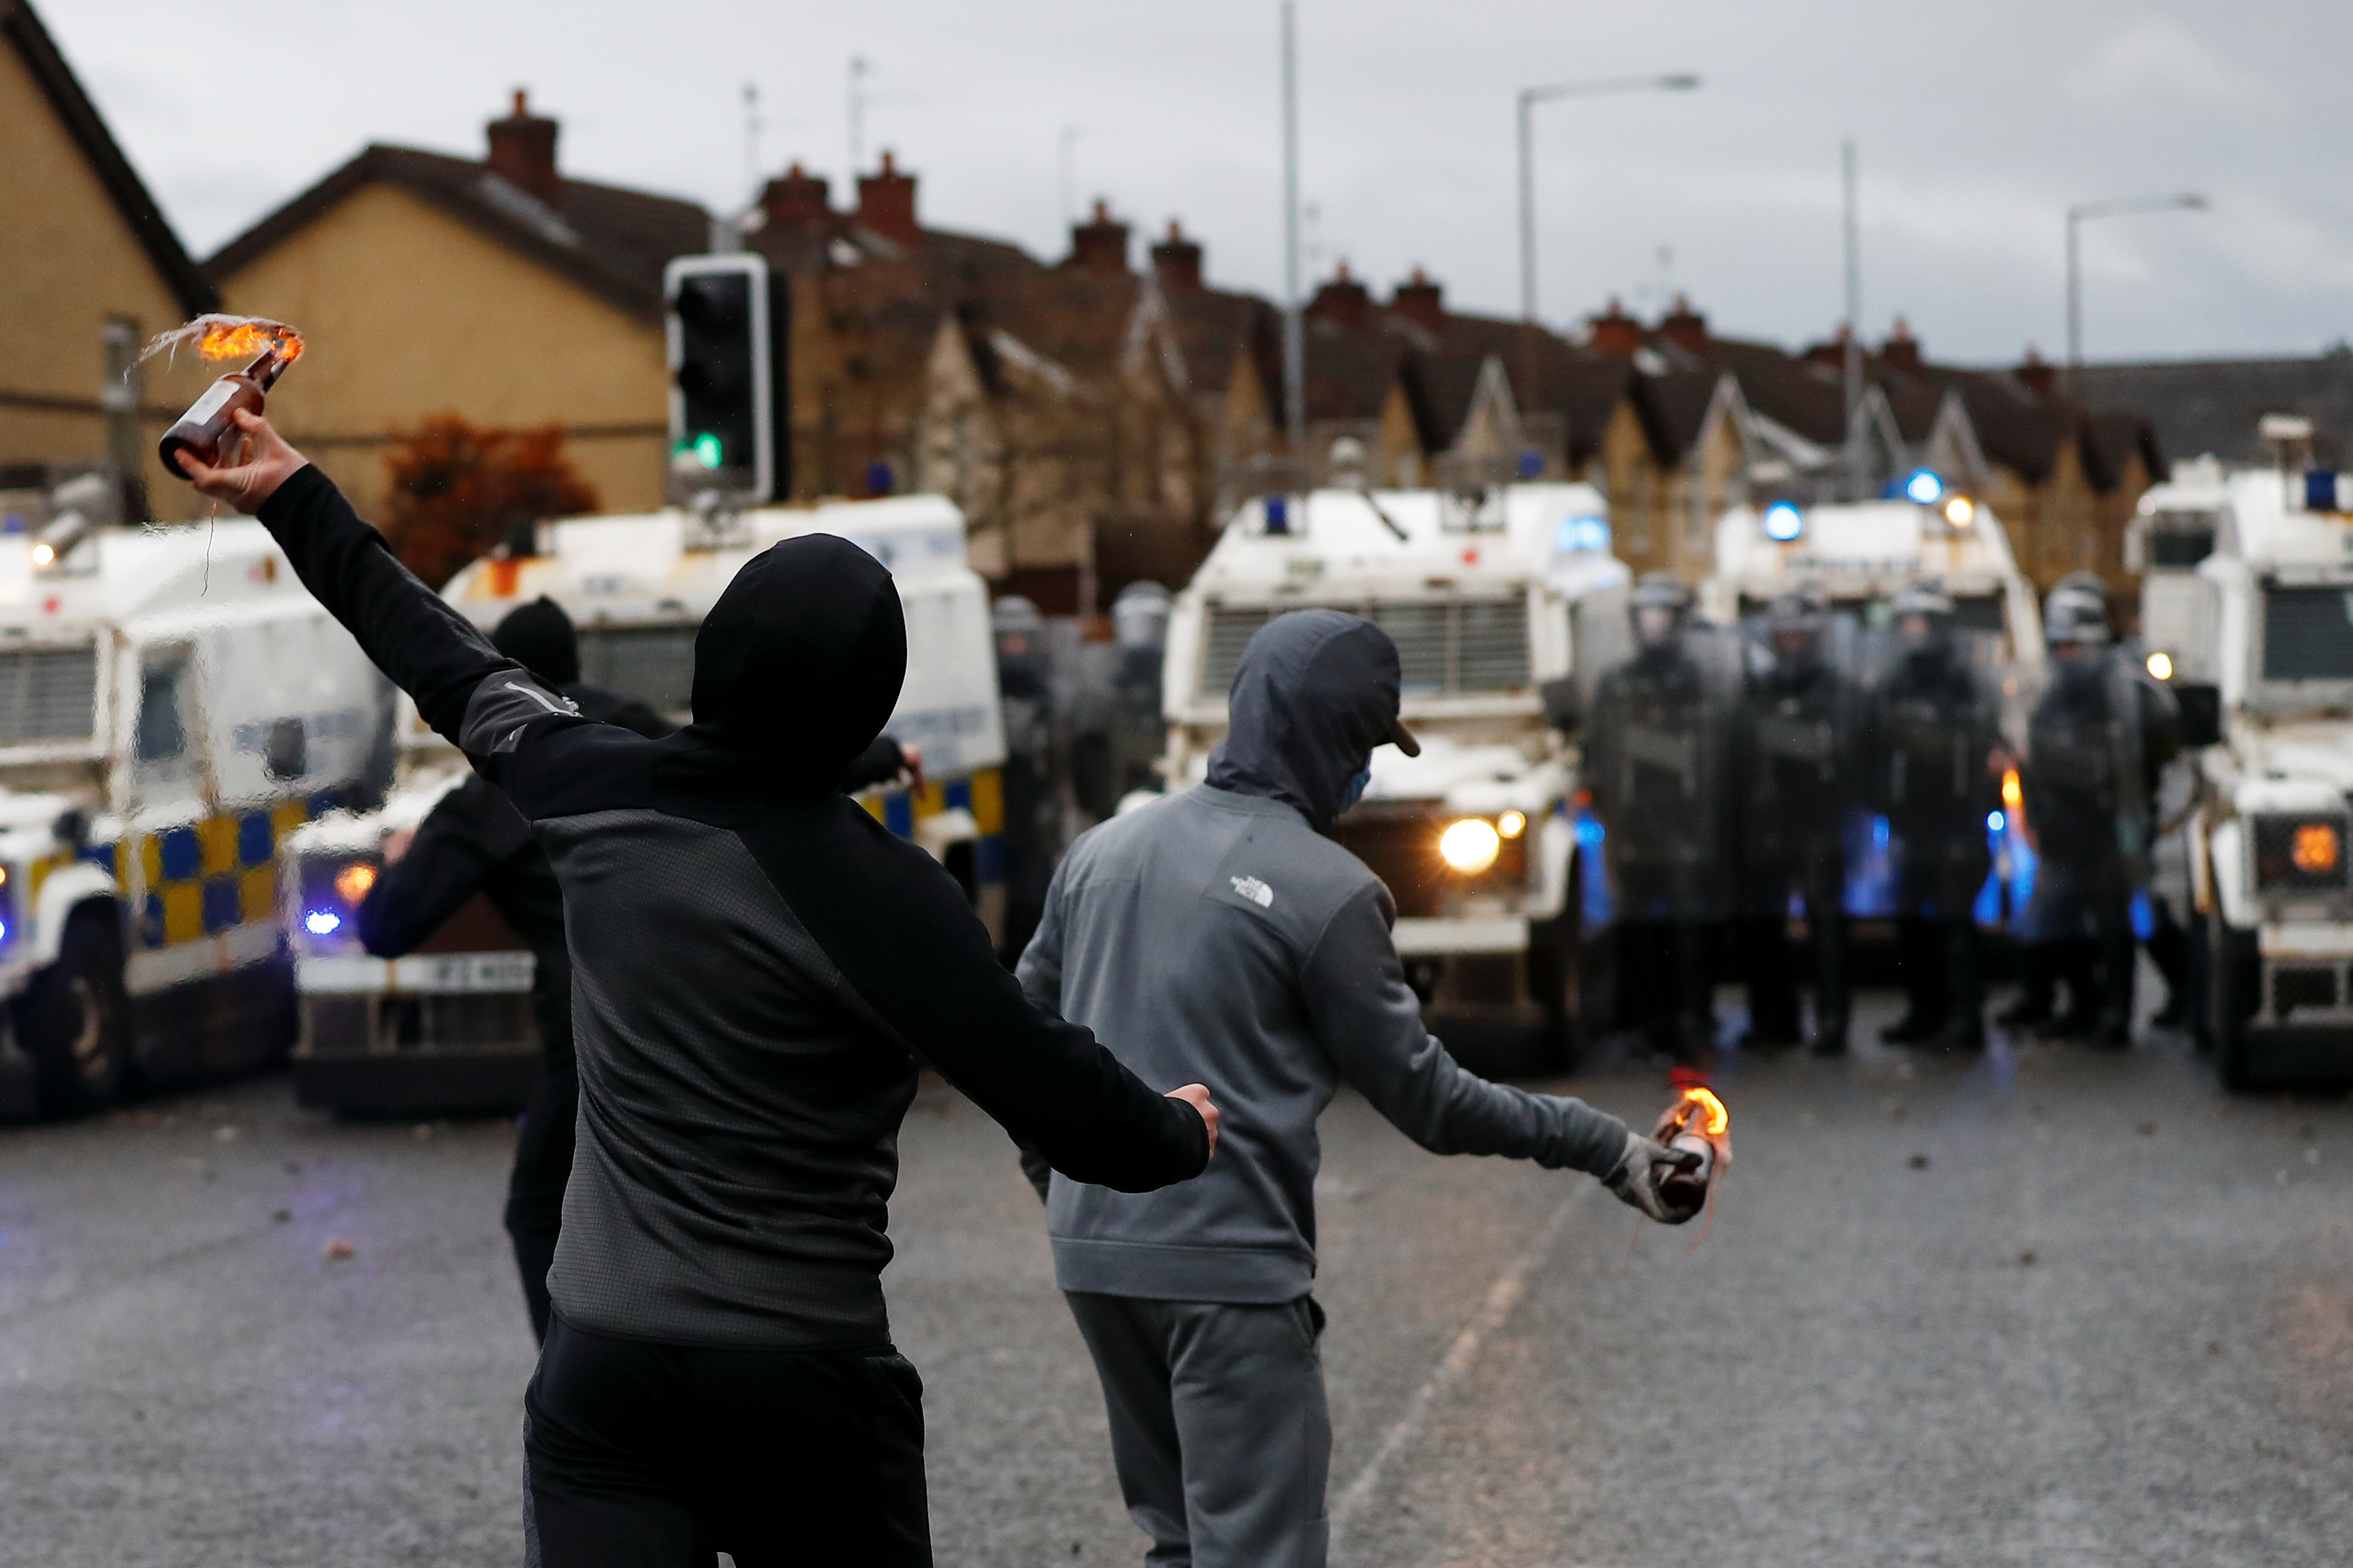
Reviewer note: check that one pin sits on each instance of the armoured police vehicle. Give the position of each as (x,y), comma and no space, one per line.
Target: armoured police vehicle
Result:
(174,706)
(2256,638)
(1489,593)
(450,1028)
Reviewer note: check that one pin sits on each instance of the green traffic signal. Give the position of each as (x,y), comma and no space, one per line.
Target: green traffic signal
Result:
(707,450)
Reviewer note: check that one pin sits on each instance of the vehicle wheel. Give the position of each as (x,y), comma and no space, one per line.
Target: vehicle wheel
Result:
(2230,998)
(74,1020)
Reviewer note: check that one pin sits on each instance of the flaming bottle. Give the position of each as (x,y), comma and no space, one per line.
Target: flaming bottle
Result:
(1696,1124)
(211,417)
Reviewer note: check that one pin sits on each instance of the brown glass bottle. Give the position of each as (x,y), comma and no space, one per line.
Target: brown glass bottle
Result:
(210,419)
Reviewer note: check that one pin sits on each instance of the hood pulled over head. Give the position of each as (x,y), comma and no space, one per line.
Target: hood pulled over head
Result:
(539,637)
(1315,692)
(796,668)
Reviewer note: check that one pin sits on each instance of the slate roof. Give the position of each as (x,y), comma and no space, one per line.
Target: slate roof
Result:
(2198,406)
(611,241)
(82,122)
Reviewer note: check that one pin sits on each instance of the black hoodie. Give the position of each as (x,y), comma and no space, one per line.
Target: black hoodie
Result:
(758,964)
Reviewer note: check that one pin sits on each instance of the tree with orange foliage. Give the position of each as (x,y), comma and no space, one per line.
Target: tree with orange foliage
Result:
(459,491)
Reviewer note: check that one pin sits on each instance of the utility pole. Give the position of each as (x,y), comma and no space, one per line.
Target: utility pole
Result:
(1529,97)
(2189,201)
(1295,337)
(1070,175)
(1852,366)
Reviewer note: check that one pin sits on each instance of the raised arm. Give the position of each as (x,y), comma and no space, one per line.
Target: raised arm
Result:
(428,650)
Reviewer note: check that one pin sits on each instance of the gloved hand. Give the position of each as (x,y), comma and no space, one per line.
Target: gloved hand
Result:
(1640,1170)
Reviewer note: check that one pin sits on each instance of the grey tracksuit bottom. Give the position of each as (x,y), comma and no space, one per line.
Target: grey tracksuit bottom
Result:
(1218,1426)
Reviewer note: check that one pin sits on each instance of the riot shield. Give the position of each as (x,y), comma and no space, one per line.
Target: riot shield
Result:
(1934,721)
(1661,748)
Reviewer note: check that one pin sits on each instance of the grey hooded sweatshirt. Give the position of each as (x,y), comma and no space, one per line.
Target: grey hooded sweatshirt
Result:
(1230,942)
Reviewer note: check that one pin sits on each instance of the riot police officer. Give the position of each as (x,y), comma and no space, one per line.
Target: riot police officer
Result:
(1798,729)
(2098,737)
(1934,727)
(1658,758)
(1032,835)
(1117,735)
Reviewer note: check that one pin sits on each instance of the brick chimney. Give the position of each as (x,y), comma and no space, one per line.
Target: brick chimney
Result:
(1176,260)
(2036,376)
(797,196)
(1902,349)
(1344,300)
(886,204)
(1420,301)
(1100,243)
(1685,327)
(1616,333)
(1831,353)
(522,151)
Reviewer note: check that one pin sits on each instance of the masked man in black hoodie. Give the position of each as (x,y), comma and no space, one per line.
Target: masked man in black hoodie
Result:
(474,841)
(1228,935)
(757,965)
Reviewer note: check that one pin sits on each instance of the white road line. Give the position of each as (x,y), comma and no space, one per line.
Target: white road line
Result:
(1502,1296)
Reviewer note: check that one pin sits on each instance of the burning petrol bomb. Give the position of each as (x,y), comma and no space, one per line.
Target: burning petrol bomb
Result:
(1699,1126)
(199,431)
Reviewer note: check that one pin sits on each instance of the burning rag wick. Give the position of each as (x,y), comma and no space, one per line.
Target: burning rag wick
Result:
(217,336)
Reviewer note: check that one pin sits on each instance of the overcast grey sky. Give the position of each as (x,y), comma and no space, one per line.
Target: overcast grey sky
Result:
(1978,123)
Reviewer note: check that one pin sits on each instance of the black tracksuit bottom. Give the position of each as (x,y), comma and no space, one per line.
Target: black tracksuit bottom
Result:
(640,1454)
(543,1164)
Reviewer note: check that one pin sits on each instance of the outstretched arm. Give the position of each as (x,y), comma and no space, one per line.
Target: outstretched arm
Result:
(1369,1020)
(428,649)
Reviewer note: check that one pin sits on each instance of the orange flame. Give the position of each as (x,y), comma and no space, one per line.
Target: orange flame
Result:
(243,339)
(218,336)
(1702,1101)
(2013,794)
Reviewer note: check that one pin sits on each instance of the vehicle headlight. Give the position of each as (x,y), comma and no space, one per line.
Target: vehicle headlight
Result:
(2299,854)
(1471,844)
(1512,824)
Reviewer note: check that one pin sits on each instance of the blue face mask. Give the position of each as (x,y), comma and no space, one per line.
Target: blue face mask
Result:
(1356,790)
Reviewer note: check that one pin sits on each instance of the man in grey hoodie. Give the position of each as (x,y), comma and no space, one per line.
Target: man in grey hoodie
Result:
(1232,942)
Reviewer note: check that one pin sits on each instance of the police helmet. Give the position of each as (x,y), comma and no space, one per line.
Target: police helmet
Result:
(1797,621)
(2077,612)
(1658,605)
(1139,616)
(1922,599)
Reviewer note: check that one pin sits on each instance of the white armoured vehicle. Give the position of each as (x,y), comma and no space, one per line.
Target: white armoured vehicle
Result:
(1490,594)
(449,1027)
(2248,610)
(173,706)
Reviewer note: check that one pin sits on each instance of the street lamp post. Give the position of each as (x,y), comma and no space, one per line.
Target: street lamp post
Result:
(1528,98)
(2190,201)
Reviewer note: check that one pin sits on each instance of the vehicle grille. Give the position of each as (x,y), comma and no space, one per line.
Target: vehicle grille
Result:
(2308,634)
(2303,986)
(1400,847)
(1444,649)
(653,664)
(47,694)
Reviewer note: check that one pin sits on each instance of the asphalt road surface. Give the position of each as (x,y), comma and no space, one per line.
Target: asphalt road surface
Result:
(2042,1307)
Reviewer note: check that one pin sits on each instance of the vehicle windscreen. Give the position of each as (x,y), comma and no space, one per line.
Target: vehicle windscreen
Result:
(653,664)
(2308,633)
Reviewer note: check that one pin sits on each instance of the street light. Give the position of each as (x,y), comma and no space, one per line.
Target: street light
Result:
(2189,201)
(1529,97)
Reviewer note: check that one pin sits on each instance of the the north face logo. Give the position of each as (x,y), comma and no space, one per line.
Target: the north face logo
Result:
(1256,891)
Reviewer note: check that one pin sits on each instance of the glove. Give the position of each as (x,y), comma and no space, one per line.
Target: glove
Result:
(1638,1174)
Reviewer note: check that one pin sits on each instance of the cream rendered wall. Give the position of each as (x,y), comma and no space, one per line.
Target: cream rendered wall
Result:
(68,261)
(407,312)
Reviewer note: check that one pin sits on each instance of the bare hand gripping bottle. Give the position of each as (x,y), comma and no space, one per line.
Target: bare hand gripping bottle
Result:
(209,419)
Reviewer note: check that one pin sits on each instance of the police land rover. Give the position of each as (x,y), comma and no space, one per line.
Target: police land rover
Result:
(174,706)
(2248,614)
(1490,592)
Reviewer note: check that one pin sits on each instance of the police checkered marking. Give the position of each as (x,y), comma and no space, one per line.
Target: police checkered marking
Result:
(1253,889)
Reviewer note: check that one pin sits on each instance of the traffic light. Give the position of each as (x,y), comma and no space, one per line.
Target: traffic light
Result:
(727,320)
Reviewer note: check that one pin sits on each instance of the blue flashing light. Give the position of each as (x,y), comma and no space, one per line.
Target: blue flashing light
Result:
(1531,464)
(323,922)
(1278,514)
(1994,821)
(1783,523)
(4,930)
(1923,486)
(1573,534)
